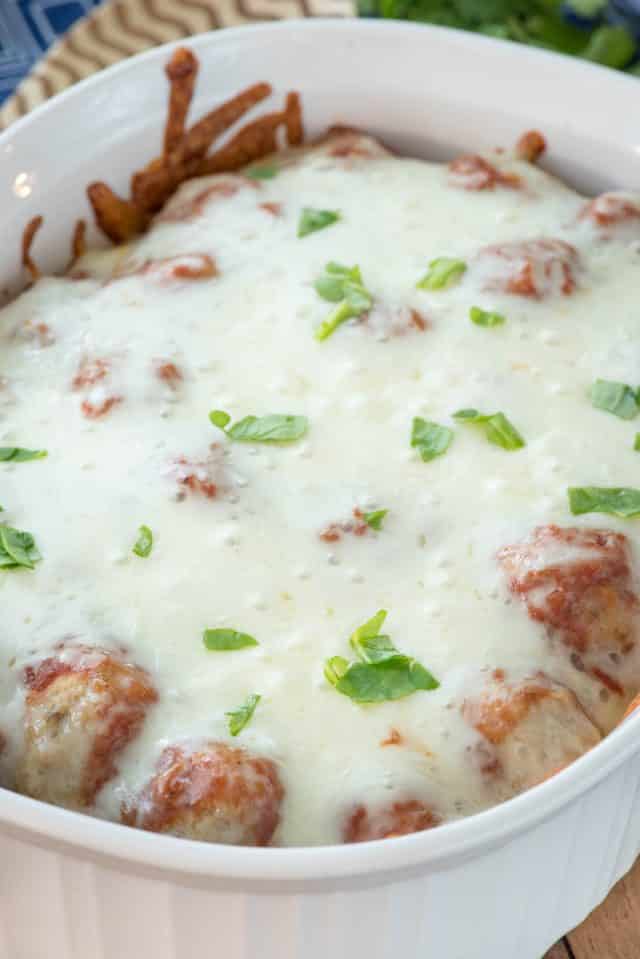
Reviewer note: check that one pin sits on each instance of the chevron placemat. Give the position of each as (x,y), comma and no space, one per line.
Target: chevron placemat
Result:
(120,28)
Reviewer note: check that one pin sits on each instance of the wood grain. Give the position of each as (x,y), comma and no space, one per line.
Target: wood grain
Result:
(559,951)
(612,931)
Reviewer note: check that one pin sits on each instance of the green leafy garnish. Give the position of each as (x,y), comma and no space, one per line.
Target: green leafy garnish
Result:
(17,454)
(144,543)
(442,273)
(375,519)
(342,285)
(497,428)
(17,548)
(636,443)
(238,718)
(541,23)
(620,501)
(312,220)
(265,172)
(382,673)
(222,639)
(612,46)
(430,439)
(273,428)
(616,398)
(485,317)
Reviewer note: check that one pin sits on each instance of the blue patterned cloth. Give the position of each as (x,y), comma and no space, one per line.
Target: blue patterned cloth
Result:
(27,28)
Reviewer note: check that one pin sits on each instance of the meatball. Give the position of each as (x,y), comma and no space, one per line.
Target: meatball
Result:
(473,172)
(385,821)
(611,211)
(191,201)
(578,584)
(83,707)
(533,268)
(349,144)
(211,792)
(529,730)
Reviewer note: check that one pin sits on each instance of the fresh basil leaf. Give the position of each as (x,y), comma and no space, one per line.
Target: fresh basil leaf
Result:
(17,548)
(336,318)
(238,718)
(383,673)
(219,418)
(620,501)
(356,297)
(312,220)
(222,640)
(485,318)
(265,172)
(497,428)
(469,416)
(272,428)
(144,543)
(342,285)
(616,398)
(369,629)
(430,439)
(443,272)
(17,454)
(335,668)
(503,433)
(330,285)
(375,519)
(391,679)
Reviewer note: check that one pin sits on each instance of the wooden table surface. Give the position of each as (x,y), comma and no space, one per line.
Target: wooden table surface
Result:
(612,931)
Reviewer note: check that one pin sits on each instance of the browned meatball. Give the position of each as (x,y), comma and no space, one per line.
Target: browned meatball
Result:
(536,269)
(213,793)
(529,730)
(578,584)
(365,823)
(610,212)
(82,708)
(473,172)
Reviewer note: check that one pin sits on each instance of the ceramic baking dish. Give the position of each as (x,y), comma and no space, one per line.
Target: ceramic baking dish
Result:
(506,883)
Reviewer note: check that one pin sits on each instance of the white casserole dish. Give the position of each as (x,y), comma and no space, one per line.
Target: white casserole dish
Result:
(505,883)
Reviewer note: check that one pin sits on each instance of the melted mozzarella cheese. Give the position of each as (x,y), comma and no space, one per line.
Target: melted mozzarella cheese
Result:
(251,557)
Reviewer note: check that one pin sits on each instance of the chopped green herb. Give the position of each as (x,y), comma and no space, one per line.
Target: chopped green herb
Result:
(369,645)
(273,428)
(342,285)
(17,548)
(312,220)
(616,398)
(636,443)
(497,428)
(375,519)
(443,272)
(221,640)
(620,501)
(266,172)
(430,439)
(238,718)
(144,542)
(382,673)
(335,668)
(16,454)
(485,318)
(330,285)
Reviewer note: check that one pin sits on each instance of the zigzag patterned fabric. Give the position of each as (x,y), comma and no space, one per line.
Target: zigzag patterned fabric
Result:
(102,34)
